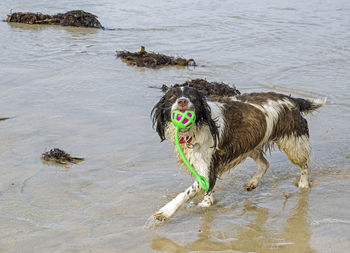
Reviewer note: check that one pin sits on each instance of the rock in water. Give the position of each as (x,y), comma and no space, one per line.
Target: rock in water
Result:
(77,18)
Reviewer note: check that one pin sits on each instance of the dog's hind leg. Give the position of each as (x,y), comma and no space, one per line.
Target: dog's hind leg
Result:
(170,208)
(262,164)
(304,181)
(298,151)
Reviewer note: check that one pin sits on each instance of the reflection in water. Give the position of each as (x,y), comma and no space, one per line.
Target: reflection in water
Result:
(78,30)
(258,236)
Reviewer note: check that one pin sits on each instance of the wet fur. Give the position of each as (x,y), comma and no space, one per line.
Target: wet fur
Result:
(231,129)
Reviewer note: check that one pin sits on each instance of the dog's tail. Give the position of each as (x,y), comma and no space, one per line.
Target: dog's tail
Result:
(309,105)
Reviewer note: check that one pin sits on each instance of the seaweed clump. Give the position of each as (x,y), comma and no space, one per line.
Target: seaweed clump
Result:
(58,156)
(77,18)
(152,60)
(211,89)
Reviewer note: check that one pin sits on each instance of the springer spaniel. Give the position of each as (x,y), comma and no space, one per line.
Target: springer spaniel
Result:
(228,130)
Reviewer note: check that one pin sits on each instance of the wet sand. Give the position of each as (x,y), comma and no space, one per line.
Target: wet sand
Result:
(64,87)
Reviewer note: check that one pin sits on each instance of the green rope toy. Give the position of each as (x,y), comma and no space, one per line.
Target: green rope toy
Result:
(185,119)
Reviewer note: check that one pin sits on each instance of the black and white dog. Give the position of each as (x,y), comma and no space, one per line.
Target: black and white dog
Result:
(229,130)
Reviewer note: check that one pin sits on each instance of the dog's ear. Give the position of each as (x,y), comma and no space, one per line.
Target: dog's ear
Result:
(159,118)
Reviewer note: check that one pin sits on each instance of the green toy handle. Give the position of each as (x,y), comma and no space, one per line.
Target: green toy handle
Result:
(201,180)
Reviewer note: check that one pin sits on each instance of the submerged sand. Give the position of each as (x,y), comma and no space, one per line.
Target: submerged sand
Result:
(63,87)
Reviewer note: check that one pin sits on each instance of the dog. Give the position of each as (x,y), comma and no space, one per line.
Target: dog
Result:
(228,130)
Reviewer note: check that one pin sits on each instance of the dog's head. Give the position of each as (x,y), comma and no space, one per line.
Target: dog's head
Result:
(183,98)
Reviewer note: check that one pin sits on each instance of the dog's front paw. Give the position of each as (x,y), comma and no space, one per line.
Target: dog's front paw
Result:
(251,185)
(204,204)
(155,220)
(160,216)
(207,201)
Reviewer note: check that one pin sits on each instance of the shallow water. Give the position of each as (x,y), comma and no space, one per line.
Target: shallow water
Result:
(63,87)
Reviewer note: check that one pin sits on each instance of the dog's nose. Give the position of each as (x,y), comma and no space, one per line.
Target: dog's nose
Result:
(182,102)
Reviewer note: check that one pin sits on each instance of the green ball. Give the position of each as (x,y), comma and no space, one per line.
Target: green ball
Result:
(183,119)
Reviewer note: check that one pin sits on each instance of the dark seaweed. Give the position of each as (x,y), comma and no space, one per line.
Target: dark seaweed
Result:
(210,89)
(58,156)
(77,18)
(152,60)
